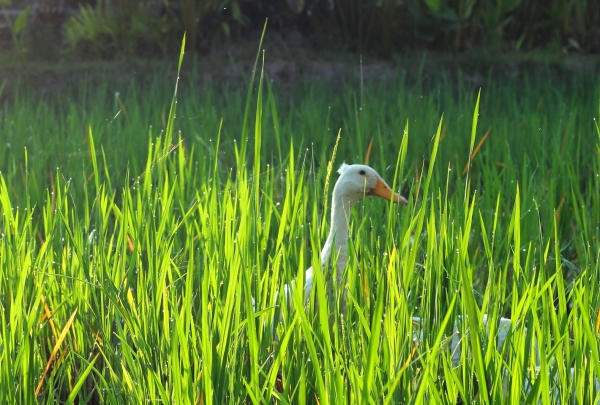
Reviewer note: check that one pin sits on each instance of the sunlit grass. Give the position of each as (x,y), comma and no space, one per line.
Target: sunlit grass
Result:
(136,228)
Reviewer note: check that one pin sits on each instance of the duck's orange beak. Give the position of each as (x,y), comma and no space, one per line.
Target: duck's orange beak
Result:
(382,190)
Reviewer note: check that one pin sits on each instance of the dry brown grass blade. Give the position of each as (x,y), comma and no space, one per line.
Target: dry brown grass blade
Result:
(130,244)
(443,134)
(57,346)
(368,154)
(122,106)
(560,205)
(48,315)
(175,146)
(475,151)
(411,356)
(97,337)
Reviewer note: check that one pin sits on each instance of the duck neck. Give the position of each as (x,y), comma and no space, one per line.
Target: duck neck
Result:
(337,240)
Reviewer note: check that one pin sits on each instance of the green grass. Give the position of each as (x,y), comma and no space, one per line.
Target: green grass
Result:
(135,230)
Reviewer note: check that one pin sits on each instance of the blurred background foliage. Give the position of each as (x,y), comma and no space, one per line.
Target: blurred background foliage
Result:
(105,28)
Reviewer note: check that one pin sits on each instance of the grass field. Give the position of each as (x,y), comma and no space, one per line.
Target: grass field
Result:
(137,226)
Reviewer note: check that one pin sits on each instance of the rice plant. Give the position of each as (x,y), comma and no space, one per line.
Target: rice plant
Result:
(145,238)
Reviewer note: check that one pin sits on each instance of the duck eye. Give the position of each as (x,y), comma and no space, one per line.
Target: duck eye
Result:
(362,173)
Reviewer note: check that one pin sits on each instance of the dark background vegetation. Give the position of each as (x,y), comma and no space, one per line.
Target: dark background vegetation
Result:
(80,29)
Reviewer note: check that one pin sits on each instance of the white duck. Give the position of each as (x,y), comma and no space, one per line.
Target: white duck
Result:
(354,183)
